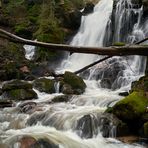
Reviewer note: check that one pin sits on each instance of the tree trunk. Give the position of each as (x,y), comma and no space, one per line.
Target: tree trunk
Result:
(111,51)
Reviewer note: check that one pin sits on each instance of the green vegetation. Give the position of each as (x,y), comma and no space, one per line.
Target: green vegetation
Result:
(131,107)
(74,81)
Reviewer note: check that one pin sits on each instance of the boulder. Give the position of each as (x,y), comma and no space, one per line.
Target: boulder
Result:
(44,85)
(61,98)
(132,110)
(5,103)
(19,94)
(76,82)
(87,126)
(16,84)
(131,107)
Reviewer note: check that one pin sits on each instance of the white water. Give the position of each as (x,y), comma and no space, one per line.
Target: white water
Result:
(30,51)
(57,122)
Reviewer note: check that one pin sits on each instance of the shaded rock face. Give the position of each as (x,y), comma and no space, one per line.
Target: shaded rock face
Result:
(88,8)
(18,90)
(111,126)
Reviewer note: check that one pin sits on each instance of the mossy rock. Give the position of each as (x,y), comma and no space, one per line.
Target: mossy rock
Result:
(19,94)
(131,107)
(142,84)
(146,129)
(44,85)
(61,98)
(16,84)
(76,82)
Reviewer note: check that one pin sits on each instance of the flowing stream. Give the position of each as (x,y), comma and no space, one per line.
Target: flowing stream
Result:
(59,122)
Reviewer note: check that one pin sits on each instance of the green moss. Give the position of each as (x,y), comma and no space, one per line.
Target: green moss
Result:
(74,81)
(119,44)
(44,85)
(20,94)
(131,107)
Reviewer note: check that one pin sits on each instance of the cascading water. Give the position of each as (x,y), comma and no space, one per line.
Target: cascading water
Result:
(61,124)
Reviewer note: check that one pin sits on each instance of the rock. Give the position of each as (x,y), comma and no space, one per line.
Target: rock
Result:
(27,106)
(111,126)
(129,139)
(131,109)
(124,94)
(44,143)
(16,84)
(146,129)
(87,126)
(141,84)
(67,89)
(27,142)
(5,103)
(36,117)
(61,98)
(88,8)
(19,94)
(73,20)
(44,85)
(77,83)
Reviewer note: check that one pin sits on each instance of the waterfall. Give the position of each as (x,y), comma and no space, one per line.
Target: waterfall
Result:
(118,72)
(79,122)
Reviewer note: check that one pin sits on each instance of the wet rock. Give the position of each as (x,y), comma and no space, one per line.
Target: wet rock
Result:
(16,84)
(88,8)
(67,89)
(27,142)
(76,83)
(87,126)
(6,103)
(44,85)
(19,94)
(27,106)
(129,139)
(44,143)
(123,93)
(110,75)
(111,126)
(61,98)
(146,129)
(36,117)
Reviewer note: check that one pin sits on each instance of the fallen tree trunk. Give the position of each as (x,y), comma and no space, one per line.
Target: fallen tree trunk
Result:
(112,51)
(92,64)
